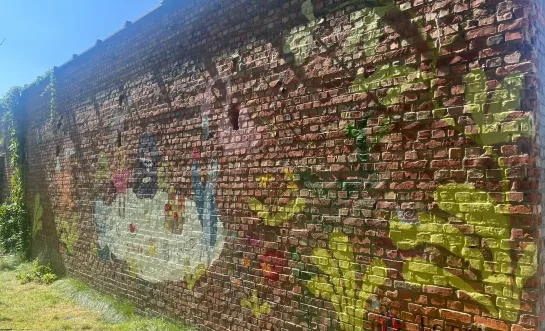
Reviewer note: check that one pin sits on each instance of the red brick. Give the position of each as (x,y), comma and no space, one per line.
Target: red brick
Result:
(517,24)
(493,324)
(528,320)
(509,36)
(167,72)
(481,32)
(443,291)
(517,327)
(453,315)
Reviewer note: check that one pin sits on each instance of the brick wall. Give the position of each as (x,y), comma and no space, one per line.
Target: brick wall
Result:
(300,165)
(539,44)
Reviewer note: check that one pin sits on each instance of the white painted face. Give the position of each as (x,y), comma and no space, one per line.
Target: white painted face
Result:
(134,230)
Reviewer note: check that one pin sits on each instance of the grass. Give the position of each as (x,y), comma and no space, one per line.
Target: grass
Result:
(67,304)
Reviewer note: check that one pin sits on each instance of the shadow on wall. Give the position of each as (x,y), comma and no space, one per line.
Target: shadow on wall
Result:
(163,235)
(45,241)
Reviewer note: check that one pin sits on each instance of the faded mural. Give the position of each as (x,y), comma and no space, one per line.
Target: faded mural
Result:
(165,235)
(161,235)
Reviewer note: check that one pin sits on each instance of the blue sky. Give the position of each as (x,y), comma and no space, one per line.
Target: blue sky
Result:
(41,34)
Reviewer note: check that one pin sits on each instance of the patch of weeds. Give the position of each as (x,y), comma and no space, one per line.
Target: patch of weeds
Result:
(49,278)
(8,263)
(67,304)
(37,272)
(111,310)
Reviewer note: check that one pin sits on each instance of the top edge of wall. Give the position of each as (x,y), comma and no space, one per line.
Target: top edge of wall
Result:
(165,4)
(163,7)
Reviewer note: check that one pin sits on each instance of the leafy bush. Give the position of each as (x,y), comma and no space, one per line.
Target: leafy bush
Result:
(14,220)
(37,273)
(49,278)
(14,230)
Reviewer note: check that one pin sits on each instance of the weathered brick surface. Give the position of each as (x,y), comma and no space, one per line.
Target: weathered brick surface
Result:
(197,163)
(539,43)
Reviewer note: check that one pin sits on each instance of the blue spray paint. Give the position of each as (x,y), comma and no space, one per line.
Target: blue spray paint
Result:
(205,202)
(100,217)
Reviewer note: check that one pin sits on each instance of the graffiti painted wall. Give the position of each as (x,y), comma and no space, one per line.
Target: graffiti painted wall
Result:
(302,165)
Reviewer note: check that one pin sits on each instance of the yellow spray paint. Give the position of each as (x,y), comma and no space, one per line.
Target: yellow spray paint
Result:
(37,216)
(253,304)
(68,231)
(192,277)
(489,221)
(274,215)
(134,267)
(339,279)
(103,172)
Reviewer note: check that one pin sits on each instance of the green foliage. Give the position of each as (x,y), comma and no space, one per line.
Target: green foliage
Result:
(49,278)
(8,263)
(14,221)
(15,224)
(50,88)
(14,232)
(52,93)
(37,273)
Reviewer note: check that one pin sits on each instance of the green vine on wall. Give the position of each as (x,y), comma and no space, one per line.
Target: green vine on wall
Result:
(50,88)
(15,232)
(16,204)
(15,223)
(52,94)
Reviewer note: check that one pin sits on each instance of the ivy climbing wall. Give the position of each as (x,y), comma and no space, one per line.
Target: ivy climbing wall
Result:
(301,165)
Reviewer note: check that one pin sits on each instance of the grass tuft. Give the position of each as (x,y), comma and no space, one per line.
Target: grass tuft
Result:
(67,304)
(8,263)
(110,310)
